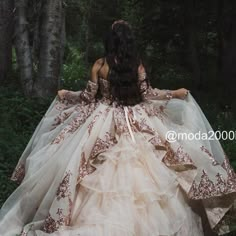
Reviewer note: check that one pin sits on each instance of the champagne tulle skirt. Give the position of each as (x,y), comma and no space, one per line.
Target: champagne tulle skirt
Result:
(98,170)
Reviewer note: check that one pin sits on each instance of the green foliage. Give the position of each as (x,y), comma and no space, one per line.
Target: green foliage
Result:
(19,117)
(226,123)
(173,77)
(222,121)
(75,71)
(130,10)
(169,76)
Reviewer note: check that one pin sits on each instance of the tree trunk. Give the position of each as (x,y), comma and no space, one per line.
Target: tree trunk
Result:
(63,42)
(23,50)
(87,30)
(228,37)
(36,35)
(220,7)
(6,32)
(191,39)
(47,82)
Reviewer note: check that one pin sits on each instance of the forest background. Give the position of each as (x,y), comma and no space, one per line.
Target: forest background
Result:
(47,45)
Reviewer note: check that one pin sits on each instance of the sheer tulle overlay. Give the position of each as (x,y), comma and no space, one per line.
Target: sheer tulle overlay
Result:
(100,169)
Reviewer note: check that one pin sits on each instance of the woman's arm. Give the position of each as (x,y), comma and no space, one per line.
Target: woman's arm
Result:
(157,94)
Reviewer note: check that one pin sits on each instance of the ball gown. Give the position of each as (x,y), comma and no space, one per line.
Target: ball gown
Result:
(96,168)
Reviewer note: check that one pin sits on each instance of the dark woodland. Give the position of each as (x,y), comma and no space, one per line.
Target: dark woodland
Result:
(48,45)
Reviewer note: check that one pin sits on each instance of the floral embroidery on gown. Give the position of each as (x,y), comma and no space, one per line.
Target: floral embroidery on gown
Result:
(95,168)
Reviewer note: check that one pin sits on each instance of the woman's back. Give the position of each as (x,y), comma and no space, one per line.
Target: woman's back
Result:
(104,69)
(104,82)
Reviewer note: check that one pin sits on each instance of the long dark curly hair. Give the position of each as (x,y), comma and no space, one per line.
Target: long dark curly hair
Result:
(123,61)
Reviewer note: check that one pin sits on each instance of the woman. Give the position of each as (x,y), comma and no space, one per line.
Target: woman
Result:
(103,165)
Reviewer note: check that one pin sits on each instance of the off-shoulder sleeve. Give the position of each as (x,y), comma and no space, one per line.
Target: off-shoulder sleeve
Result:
(149,93)
(87,95)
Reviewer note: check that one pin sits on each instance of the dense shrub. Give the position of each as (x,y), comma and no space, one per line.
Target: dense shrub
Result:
(19,117)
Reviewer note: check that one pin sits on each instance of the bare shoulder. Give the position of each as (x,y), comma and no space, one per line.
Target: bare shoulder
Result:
(98,63)
(95,69)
